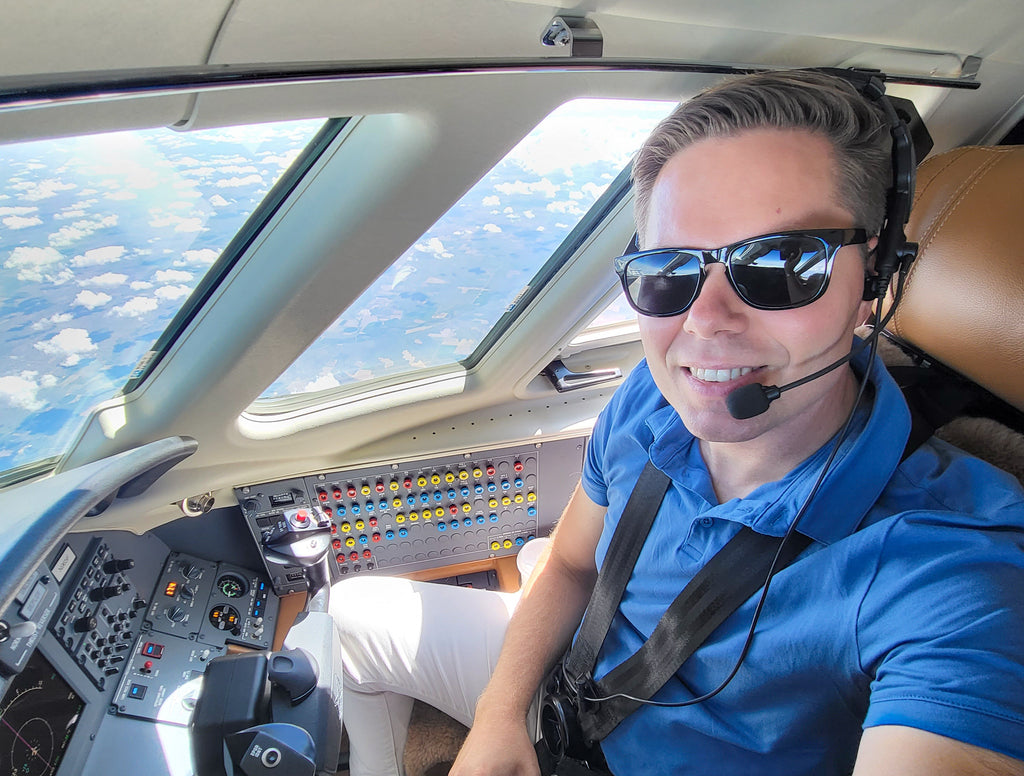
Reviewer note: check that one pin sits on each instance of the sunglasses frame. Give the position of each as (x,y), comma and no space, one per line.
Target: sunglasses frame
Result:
(834,239)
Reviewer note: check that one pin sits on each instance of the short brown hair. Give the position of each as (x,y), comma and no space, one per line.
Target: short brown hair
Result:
(797,99)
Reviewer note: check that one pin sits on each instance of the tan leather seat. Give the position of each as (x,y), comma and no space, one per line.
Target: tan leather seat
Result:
(964,298)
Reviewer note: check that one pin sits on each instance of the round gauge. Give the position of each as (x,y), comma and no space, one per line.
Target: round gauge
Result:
(232,586)
(226,618)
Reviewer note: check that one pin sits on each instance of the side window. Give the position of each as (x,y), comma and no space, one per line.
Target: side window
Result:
(103,238)
(438,301)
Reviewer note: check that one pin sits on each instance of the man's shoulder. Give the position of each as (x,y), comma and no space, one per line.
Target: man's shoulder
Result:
(940,476)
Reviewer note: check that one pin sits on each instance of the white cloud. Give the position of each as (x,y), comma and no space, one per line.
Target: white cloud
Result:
(404,272)
(69,343)
(118,196)
(569,208)
(235,169)
(593,190)
(172,276)
(34,191)
(491,201)
(449,337)
(179,223)
(493,228)
(21,222)
(66,235)
(170,293)
(22,390)
(34,264)
(91,299)
(218,201)
(108,254)
(201,257)
(139,285)
(158,222)
(575,195)
(323,382)
(281,160)
(190,225)
(434,246)
(17,211)
(543,186)
(70,213)
(136,306)
(234,183)
(53,319)
(412,360)
(108,279)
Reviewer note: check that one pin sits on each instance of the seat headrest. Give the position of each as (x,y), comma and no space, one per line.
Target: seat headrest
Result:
(964,298)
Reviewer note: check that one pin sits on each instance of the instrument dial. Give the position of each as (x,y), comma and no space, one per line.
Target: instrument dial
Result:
(232,586)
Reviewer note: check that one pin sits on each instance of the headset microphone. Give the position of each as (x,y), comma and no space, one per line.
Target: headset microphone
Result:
(751,400)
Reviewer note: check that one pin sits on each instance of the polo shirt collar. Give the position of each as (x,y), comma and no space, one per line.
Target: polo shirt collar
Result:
(855,480)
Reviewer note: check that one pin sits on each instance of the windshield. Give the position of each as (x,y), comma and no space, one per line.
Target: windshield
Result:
(440,299)
(103,238)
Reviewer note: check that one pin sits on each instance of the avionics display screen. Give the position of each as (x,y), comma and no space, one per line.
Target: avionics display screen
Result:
(38,715)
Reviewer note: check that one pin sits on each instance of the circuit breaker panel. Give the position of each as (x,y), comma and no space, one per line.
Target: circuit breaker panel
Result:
(399,517)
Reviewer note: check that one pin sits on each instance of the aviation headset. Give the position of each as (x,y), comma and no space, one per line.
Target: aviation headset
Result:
(893,253)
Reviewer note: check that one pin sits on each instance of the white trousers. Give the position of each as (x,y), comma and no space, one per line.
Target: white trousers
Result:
(403,640)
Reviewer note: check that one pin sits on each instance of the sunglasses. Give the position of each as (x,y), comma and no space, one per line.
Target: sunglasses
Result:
(772,272)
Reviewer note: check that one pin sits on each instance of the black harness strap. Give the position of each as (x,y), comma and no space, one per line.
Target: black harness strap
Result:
(624,549)
(733,575)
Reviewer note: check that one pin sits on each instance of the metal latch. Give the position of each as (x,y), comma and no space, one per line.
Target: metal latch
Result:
(579,33)
(564,379)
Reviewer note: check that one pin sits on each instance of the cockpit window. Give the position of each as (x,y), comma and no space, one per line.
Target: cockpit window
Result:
(617,319)
(103,238)
(439,301)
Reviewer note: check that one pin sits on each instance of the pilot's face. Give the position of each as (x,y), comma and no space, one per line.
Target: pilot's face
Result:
(720,191)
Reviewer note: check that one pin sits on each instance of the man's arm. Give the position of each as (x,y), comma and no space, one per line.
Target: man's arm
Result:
(547,615)
(905,751)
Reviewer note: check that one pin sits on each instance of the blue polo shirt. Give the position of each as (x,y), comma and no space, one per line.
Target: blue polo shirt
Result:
(906,609)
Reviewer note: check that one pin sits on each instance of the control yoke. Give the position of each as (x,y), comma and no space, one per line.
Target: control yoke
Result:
(277,714)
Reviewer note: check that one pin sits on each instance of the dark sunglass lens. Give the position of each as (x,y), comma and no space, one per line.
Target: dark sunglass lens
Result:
(663,283)
(780,272)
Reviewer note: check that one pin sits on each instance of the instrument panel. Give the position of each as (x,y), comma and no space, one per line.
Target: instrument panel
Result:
(107,647)
(103,651)
(401,517)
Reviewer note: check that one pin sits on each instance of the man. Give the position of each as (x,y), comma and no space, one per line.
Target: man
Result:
(895,643)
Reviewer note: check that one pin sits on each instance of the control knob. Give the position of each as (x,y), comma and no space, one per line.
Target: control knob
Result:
(103,593)
(189,570)
(175,613)
(114,566)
